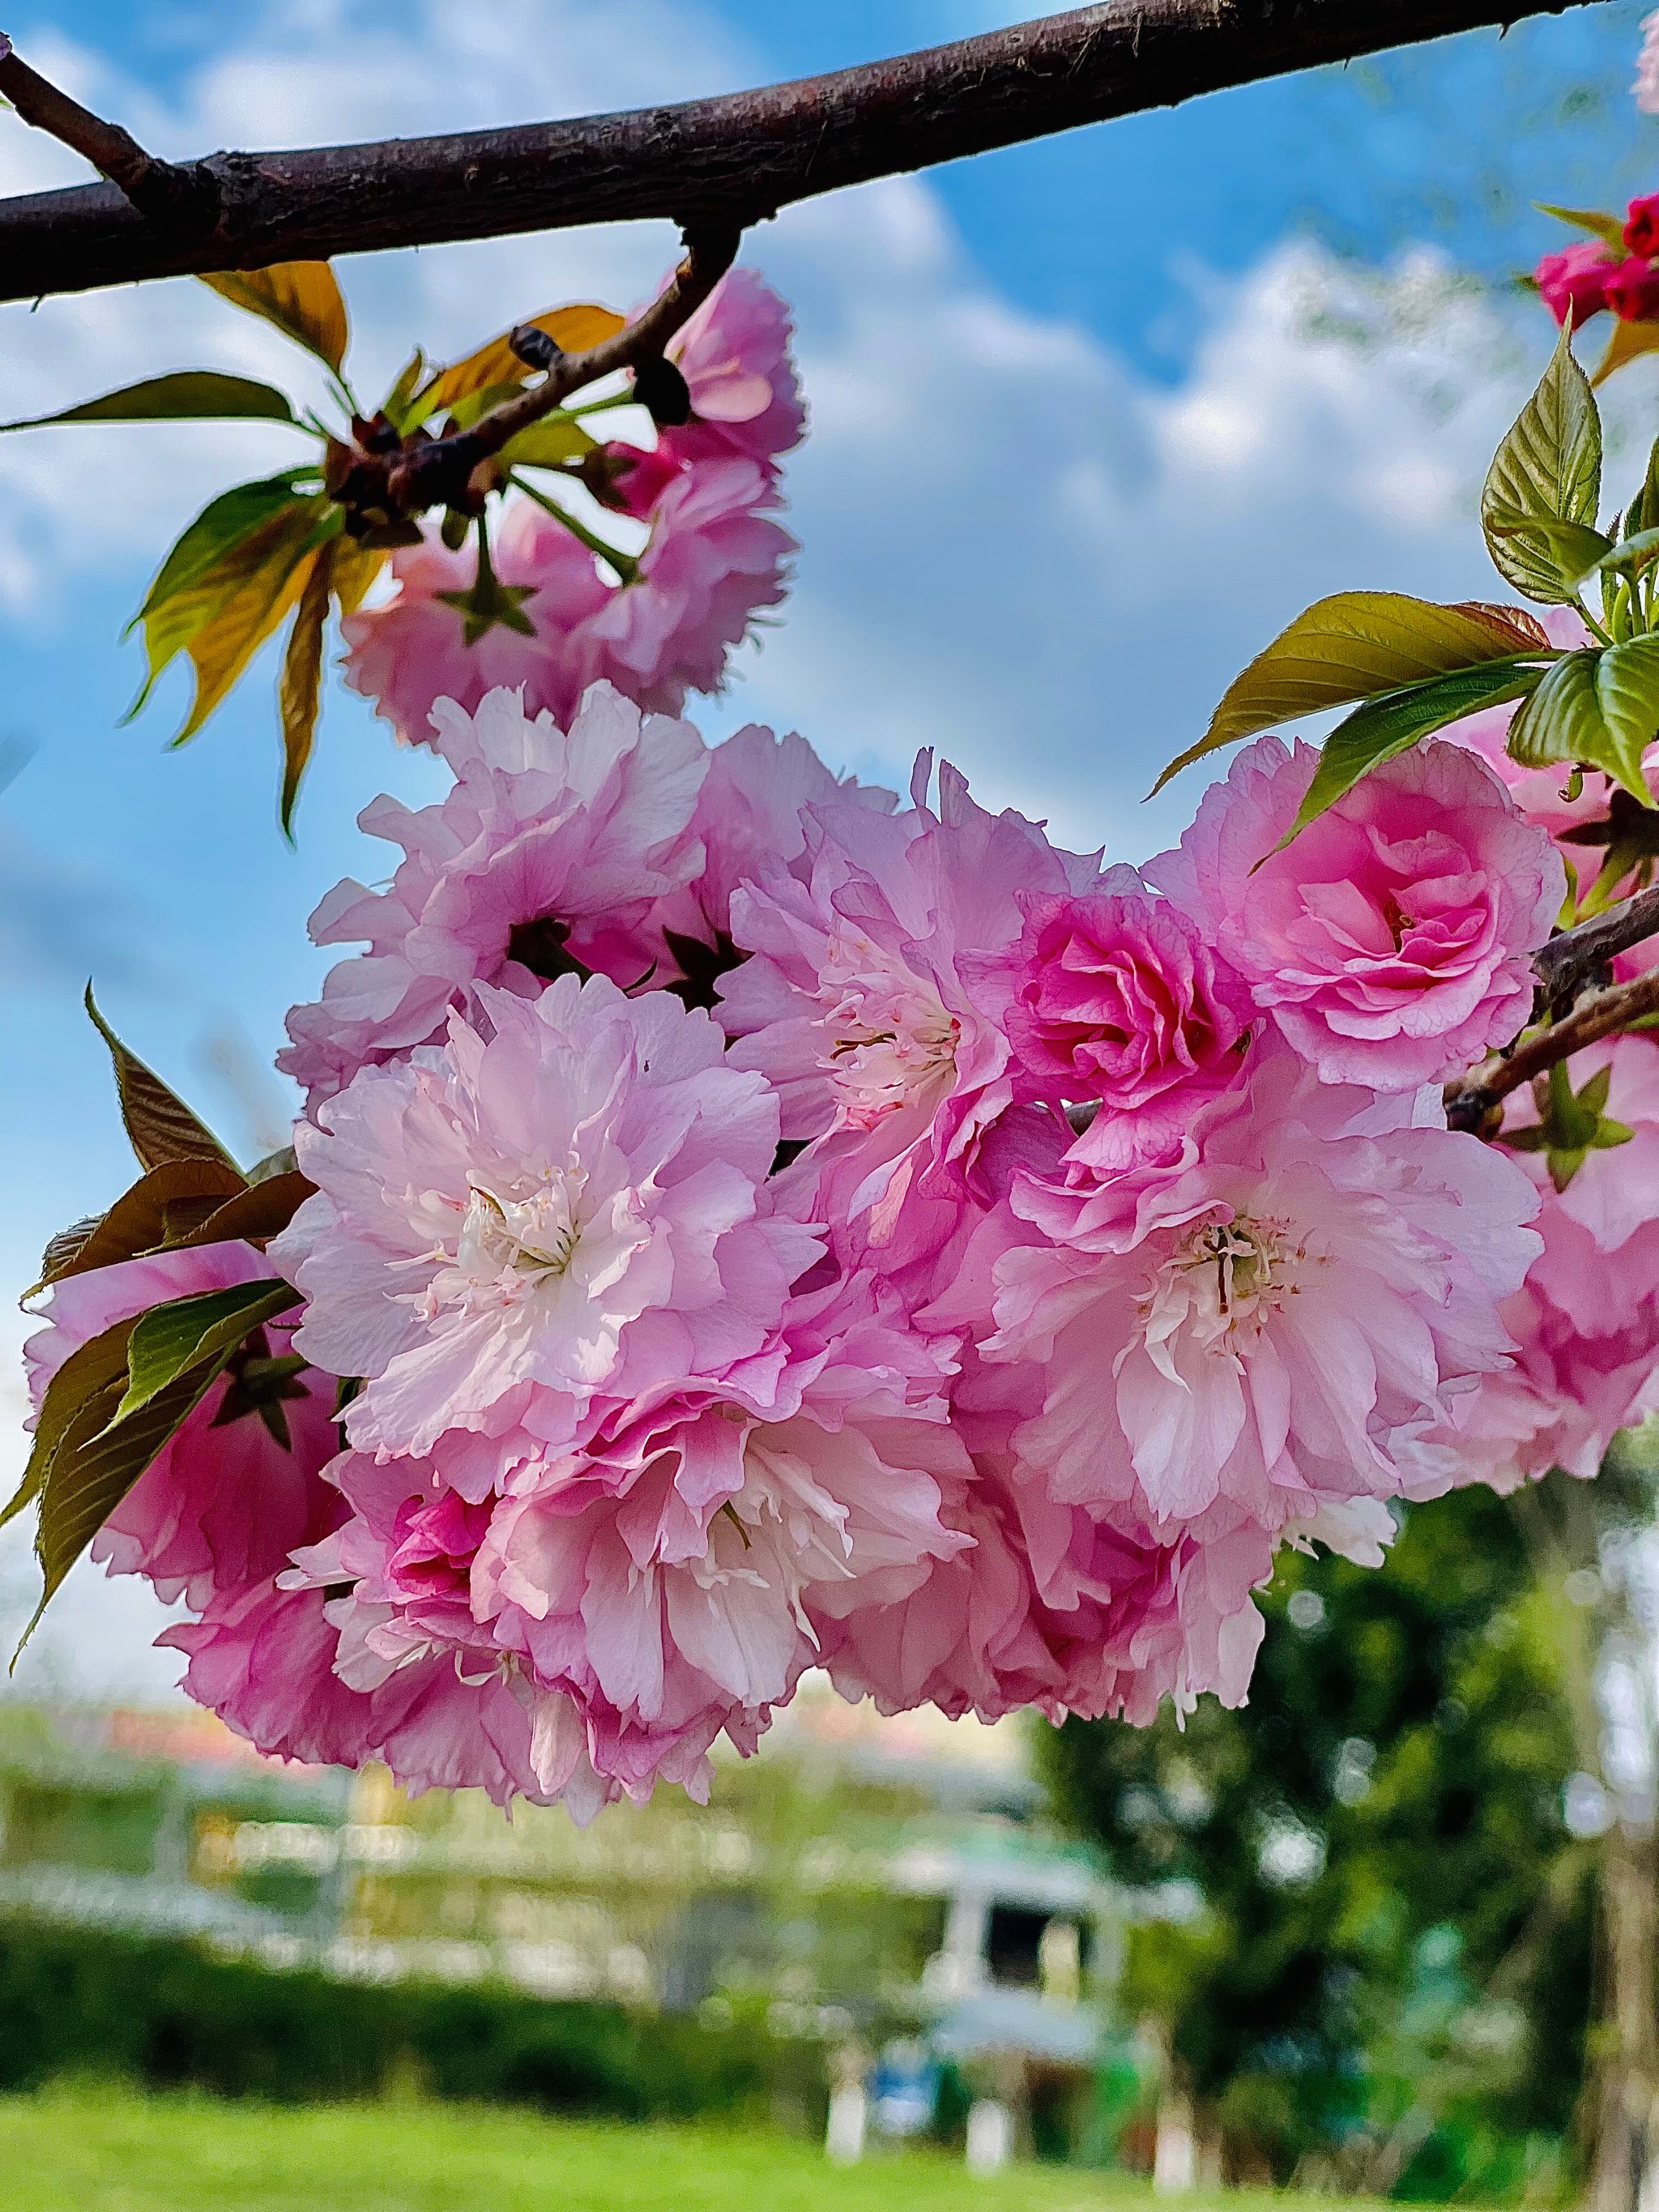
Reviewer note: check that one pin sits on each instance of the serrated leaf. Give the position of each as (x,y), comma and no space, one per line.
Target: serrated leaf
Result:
(399,399)
(1547,469)
(1391,725)
(171,1340)
(302,298)
(253,1216)
(1357,645)
(222,523)
(1578,551)
(1627,342)
(1631,553)
(1598,708)
(95,1369)
(548,445)
(1611,227)
(166,1206)
(246,597)
(63,1249)
(300,691)
(189,395)
(575,329)
(158,1124)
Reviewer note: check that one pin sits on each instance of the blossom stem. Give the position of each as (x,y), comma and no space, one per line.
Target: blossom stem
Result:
(625,564)
(1469,1101)
(1576,957)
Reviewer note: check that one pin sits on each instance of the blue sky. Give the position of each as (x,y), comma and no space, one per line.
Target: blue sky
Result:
(1091,418)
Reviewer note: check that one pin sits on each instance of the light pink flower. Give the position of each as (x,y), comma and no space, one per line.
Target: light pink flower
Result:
(1391,941)
(229,1495)
(665,1576)
(713,559)
(552,851)
(1265,1329)
(507,1231)
(734,355)
(1116,1000)
(862,1004)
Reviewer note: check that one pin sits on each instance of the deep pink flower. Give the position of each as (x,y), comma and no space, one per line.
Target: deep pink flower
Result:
(553,849)
(508,1230)
(863,1004)
(1279,1317)
(1391,941)
(1632,290)
(1117,999)
(1642,226)
(1575,281)
(226,1499)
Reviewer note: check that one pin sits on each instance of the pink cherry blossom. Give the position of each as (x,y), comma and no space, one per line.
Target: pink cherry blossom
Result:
(1115,999)
(1575,281)
(553,849)
(508,1229)
(1390,942)
(863,1004)
(746,399)
(229,1495)
(1280,1315)
(666,1575)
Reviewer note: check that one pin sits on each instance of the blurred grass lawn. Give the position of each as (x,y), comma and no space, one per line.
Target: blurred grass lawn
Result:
(98,2149)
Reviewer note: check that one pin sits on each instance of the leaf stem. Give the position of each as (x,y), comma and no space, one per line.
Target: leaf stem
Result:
(625,564)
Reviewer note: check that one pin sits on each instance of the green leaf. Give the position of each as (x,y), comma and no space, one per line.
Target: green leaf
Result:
(548,444)
(203,585)
(1600,708)
(189,395)
(161,1127)
(575,329)
(1578,550)
(1632,553)
(1609,227)
(471,405)
(95,1369)
(299,691)
(1548,469)
(302,298)
(1570,1124)
(1394,722)
(174,1339)
(1354,646)
(399,401)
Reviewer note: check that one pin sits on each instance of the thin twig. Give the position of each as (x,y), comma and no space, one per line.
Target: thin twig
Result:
(732,161)
(1580,955)
(437,472)
(1470,1100)
(160,190)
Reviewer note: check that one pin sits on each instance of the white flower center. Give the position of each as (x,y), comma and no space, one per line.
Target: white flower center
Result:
(535,1237)
(1220,1286)
(888,1039)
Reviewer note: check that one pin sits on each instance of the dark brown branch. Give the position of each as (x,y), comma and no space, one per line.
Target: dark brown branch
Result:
(1580,956)
(162,191)
(726,162)
(437,473)
(1470,1101)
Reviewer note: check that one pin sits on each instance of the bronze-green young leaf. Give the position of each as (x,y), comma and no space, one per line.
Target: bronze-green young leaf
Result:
(1627,342)
(172,1341)
(1397,721)
(158,1124)
(300,691)
(189,395)
(1357,645)
(245,599)
(574,329)
(302,298)
(166,1206)
(548,444)
(1600,224)
(1548,470)
(1597,708)
(95,1371)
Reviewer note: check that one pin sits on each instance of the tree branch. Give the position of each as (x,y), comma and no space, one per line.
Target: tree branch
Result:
(1580,956)
(437,473)
(1470,1100)
(176,197)
(726,162)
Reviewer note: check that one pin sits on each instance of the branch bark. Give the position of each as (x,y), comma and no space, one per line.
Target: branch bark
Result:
(1580,956)
(1471,1099)
(182,197)
(721,163)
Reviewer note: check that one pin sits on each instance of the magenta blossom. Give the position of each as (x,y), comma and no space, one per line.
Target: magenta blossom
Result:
(863,1006)
(1391,940)
(1575,281)
(508,1231)
(1116,1000)
(552,852)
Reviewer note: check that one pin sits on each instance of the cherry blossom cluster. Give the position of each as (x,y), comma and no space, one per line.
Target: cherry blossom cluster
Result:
(761,1224)
(1583,279)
